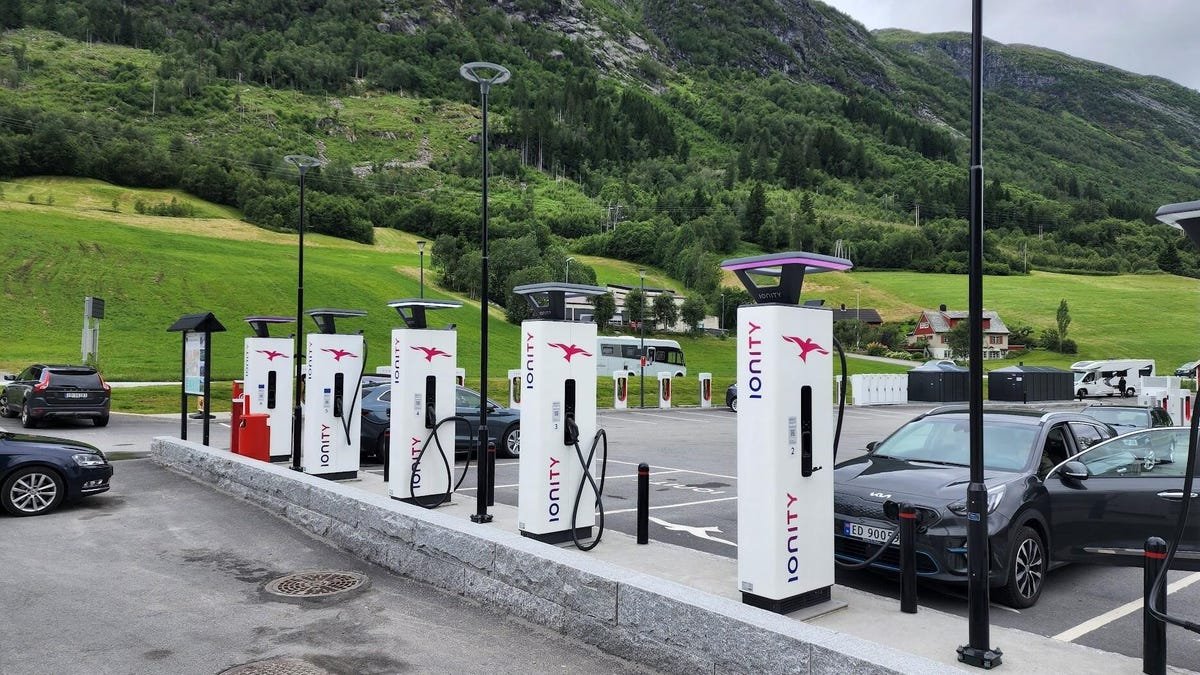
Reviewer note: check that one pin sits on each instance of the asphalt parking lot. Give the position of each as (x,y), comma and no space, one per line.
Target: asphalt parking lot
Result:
(165,575)
(694,504)
(692,455)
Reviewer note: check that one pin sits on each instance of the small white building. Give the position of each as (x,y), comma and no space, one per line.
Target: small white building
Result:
(579,309)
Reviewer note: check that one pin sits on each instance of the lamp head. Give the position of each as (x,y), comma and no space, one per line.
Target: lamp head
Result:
(302,162)
(421,245)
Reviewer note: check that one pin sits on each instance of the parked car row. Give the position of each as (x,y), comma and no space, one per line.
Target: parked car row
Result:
(504,424)
(1062,487)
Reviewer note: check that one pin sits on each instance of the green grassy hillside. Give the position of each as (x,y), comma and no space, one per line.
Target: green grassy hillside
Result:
(151,270)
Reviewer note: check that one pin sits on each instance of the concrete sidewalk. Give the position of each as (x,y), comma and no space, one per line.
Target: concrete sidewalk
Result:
(672,608)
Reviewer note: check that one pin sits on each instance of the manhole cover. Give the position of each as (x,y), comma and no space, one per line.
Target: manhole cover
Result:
(316,586)
(278,666)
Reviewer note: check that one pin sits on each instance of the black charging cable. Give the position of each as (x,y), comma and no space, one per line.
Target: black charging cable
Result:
(433,436)
(837,436)
(1180,527)
(837,432)
(347,417)
(601,438)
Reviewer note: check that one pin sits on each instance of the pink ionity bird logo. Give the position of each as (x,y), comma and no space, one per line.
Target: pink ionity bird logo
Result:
(339,353)
(806,345)
(271,354)
(569,350)
(430,352)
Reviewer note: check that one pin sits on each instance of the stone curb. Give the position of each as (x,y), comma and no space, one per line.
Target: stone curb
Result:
(655,622)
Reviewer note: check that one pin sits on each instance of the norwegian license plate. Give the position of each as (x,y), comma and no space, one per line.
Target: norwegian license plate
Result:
(75,394)
(866,532)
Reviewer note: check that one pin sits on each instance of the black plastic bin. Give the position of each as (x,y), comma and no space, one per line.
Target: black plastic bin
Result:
(1030,383)
(938,382)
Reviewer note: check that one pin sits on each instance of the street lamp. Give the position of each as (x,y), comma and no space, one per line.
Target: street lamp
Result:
(642,329)
(421,252)
(478,71)
(567,275)
(303,163)
(721,319)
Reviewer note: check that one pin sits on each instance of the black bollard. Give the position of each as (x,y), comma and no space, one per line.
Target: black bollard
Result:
(1154,631)
(908,559)
(643,503)
(491,484)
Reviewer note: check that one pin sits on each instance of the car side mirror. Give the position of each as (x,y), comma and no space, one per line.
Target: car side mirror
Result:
(871,446)
(10,378)
(1073,470)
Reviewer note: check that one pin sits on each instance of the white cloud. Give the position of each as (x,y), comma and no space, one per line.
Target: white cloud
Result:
(1154,37)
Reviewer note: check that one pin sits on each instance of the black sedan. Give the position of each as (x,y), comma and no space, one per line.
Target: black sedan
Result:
(731,397)
(38,473)
(926,463)
(504,424)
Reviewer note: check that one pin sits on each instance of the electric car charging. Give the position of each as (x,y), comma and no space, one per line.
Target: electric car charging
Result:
(785,435)
(558,494)
(267,381)
(334,369)
(423,365)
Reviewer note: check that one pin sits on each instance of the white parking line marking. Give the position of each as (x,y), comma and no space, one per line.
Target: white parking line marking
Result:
(664,469)
(1072,634)
(628,475)
(672,506)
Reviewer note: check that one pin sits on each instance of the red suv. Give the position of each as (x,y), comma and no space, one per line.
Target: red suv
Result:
(47,391)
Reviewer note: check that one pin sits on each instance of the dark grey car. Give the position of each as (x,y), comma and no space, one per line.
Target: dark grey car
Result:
(1126,418)
(504,424)
(925,463)
(43,392)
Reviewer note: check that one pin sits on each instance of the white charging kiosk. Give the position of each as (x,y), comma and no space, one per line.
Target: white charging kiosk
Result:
(267,380)
(785,435)
(558,379)
(334,368)
(423,364)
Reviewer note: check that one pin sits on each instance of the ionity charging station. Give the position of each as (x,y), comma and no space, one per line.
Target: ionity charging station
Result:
(267,377)
(423,397)
(334,369)
(785,435)
(557,492)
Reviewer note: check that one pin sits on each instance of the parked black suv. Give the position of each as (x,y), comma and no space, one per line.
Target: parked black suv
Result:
(46,391)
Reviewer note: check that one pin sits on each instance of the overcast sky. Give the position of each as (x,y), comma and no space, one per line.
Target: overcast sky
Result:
(1153,37)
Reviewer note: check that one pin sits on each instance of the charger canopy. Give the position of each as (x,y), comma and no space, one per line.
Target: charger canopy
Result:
(261,324)
(548,300)
(789,268)
(1185,216)
(325,317)
(412,310)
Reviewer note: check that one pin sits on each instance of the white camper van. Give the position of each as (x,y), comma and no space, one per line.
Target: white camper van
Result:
(1104,378)
(621,352)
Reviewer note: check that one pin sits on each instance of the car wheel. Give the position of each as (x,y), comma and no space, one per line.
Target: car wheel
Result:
(1081,393)
(1130,392)
(31,491)
(100,421)
(733,404)
(4,411)
(28,421)
(1027,566)
(381,448)
(510,442)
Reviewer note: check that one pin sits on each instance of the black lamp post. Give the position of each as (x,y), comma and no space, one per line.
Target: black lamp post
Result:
(977,652)
(303,163)
(421,252)
(477,71)
(642,330)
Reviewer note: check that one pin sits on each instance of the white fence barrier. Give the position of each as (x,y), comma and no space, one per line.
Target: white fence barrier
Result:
(879,389)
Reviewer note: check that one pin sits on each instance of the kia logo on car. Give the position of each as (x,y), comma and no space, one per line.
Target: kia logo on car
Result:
(880,495)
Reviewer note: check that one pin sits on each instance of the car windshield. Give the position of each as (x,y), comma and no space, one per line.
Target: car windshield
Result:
(1121,418)
(944,439)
